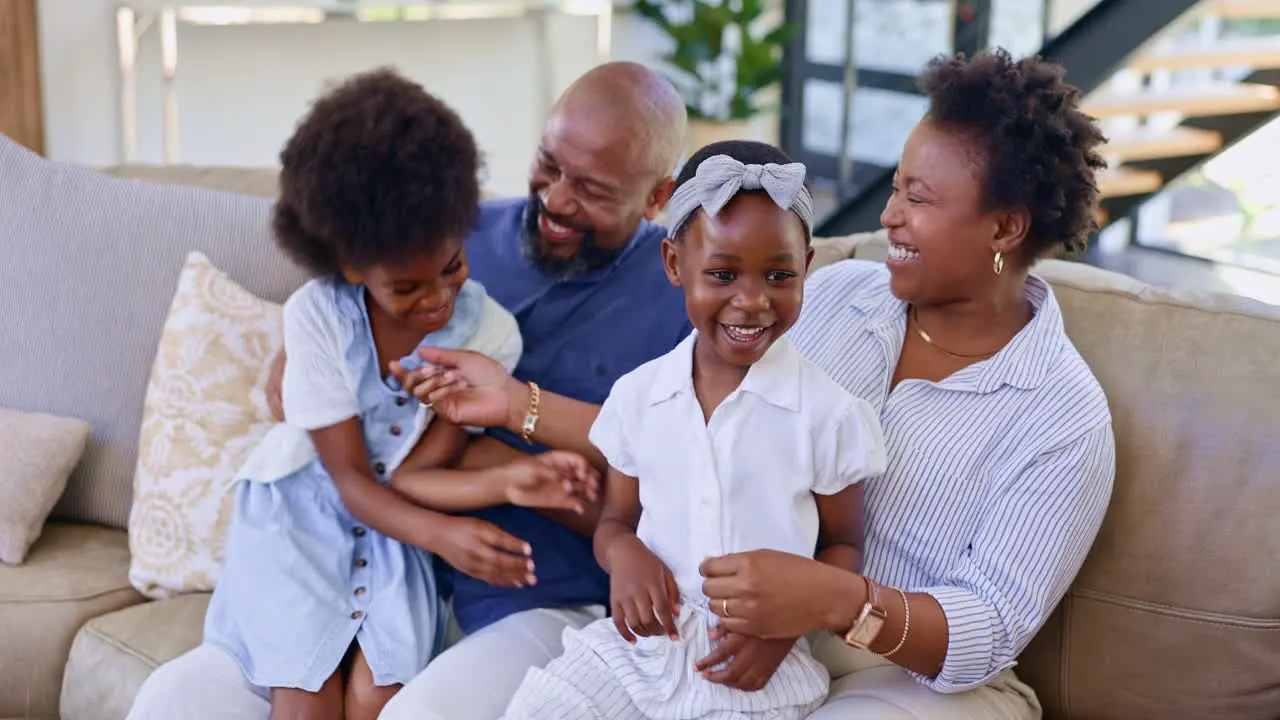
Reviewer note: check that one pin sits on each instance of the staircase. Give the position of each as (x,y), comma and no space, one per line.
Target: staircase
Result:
(1184,98)
(1177,94)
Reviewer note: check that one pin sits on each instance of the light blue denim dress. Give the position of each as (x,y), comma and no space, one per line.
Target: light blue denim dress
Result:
(303,579)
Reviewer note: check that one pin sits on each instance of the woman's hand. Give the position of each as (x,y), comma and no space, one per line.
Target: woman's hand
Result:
(642,591)
(553,480)
(751,660)
(464,387)
(486,552)
(772,595)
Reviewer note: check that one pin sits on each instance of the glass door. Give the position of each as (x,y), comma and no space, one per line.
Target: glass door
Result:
(851,94)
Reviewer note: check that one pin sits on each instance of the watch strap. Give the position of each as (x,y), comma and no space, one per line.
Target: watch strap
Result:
(874,596)
(871,619)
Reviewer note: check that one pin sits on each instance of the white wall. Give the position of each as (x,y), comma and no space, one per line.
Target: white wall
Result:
(241,89)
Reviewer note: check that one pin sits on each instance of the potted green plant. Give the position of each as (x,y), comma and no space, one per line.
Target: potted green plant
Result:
(725,60)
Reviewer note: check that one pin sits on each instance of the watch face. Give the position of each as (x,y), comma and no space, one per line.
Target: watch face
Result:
(865,631)
(873,626)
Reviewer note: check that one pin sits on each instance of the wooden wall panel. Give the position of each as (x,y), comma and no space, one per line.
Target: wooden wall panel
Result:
(21,116)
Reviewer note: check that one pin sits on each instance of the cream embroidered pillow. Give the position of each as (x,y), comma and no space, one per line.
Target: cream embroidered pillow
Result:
(205,410)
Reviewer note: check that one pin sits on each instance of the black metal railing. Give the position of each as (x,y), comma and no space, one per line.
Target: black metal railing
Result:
(1092,49)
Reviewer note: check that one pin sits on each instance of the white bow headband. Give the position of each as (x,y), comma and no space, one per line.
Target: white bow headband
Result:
(720,177)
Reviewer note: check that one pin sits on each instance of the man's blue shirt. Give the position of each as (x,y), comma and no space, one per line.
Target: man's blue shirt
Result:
(580,335)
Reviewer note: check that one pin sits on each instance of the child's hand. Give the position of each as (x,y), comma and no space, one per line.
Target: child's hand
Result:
(752,661)
(642,591)
(486,552)
(555,480)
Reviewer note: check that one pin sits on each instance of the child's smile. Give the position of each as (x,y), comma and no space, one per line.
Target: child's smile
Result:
(743,275)
(435,317)
(419,294)
(747,339)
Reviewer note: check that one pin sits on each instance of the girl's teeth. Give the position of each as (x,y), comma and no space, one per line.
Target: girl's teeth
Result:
(744,333)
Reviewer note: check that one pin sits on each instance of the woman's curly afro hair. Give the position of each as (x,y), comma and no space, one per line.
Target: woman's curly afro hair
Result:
(378,172)
(1038,150)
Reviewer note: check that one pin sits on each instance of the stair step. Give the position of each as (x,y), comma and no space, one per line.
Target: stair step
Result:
(1256,53)
(1121,181)
(1148,144)
(1204,100)
(1241,9)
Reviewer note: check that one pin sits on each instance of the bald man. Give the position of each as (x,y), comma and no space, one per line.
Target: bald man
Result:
(578,262)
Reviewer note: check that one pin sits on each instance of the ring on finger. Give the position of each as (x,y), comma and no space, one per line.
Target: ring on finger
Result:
(724,608)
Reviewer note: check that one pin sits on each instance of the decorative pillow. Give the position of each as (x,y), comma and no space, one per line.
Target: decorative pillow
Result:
(205,411)
(37,454)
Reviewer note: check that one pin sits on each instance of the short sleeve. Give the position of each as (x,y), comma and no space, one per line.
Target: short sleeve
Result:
(852,450)
(498,336)
(315,390)
(609,432)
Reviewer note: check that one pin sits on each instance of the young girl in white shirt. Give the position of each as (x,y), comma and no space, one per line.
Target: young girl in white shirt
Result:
(731,442)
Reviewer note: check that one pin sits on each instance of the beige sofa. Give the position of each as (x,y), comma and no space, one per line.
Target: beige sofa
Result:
(1175,614)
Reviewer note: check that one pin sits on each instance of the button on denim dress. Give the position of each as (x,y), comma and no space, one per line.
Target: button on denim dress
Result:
(303,578)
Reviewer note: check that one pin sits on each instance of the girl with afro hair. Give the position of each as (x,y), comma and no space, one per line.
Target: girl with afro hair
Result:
(328,602)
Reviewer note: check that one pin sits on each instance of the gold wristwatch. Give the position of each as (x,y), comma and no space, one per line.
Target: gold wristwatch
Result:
(871,619)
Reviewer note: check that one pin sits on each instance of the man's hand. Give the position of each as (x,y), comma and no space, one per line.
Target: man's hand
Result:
(486,552)
(642,591)
(275,387)
(464,387)
(751,660)
(554,480)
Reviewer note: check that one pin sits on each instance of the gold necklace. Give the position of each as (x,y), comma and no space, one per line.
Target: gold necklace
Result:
(915,317)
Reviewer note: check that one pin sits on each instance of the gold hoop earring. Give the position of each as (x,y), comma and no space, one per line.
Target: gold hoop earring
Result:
(998,265)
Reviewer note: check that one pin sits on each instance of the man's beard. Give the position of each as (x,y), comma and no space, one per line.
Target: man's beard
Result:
(589,256)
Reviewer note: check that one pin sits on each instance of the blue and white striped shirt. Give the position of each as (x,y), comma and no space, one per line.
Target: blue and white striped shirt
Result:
(998,476)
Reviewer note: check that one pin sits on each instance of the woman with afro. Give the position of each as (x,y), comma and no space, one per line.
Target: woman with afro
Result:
(1001,456)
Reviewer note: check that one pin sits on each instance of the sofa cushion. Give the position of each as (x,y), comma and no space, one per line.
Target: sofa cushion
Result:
(115,653)
(864,246)
(91,263)
(73,573)
(1177,609)
(260,182)
(37,454)
(206,410)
